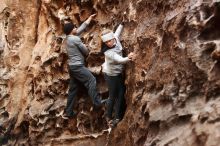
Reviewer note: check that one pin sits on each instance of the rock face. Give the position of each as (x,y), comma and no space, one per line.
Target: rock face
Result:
(173,86)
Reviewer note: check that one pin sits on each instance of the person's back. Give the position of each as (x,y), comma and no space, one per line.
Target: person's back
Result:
(76,50)
(76,57)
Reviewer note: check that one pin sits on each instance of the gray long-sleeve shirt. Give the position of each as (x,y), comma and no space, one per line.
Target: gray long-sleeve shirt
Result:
(114,62)
(76,50)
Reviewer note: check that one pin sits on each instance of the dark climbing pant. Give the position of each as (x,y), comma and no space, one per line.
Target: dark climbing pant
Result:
(81,74)
(116,89)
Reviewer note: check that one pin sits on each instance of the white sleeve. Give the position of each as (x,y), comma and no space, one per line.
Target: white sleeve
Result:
(117,58)
(118,31)
(81,28)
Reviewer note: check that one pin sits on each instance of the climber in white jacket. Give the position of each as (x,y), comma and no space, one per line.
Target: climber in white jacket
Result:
(113,69)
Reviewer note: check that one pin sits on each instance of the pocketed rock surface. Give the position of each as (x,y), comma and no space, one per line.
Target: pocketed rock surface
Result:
(173,85)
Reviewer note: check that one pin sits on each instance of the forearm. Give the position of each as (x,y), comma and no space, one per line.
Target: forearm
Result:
(118,30)
(85,24)
(119,59)
(81,28)
(122,60)
(83,49)
(88,20)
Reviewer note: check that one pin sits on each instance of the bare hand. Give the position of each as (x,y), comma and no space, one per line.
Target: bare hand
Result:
(92,16)
(131,56)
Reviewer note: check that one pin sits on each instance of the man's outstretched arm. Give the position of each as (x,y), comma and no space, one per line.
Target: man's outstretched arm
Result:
(85,24)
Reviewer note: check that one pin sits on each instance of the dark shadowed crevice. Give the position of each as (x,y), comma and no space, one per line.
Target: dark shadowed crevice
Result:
(212,30)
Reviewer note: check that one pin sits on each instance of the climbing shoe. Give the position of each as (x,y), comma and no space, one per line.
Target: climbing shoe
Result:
(114,123)
(105,101)
(109,121)
(69,116)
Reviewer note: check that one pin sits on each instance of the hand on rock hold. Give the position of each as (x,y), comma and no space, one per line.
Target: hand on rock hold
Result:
(124,19)
(131,56)
(92,16)
(124,22)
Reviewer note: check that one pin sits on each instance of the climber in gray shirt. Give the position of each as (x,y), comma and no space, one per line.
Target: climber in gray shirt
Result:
(77,51)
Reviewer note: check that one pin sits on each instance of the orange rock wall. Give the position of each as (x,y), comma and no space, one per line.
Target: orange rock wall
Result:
(173,86)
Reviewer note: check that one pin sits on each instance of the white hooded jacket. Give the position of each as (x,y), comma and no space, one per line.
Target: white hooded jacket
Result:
(114,61)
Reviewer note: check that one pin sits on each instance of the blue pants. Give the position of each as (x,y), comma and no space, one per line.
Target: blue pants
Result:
(79,73)
(116,89)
